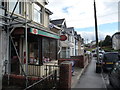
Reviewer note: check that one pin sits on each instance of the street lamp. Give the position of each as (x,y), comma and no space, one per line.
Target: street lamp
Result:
(98,63)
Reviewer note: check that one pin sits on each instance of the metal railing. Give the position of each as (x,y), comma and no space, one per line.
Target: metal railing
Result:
(49,80)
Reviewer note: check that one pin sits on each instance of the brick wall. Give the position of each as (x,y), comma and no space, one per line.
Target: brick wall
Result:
(65,75)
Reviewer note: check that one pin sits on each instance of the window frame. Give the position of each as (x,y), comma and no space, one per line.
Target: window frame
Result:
(38,41)
(39,11)
(49,51)
(19,9)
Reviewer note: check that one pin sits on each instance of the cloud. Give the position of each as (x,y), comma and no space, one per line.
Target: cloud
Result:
(90,36)
(80,13)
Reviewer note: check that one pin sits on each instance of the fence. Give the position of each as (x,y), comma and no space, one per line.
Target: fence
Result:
(40,77)
(40,71)
(49,79)
(80,61)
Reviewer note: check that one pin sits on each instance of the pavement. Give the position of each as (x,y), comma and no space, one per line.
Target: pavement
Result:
(89,78)
(77,74)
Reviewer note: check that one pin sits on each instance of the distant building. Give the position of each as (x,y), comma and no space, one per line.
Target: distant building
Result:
(72,45)
(64,45)
(93,44)
(71,40)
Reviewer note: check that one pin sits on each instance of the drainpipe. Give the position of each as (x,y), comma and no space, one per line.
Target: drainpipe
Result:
(59,46)
(1,63)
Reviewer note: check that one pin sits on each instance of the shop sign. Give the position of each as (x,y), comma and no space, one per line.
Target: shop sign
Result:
(34,31)
(42,33)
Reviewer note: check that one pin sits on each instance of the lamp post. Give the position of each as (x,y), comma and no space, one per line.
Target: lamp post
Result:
(96,29)
(98,64)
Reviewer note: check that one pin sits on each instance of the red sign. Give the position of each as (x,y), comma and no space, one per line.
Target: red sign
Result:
(63,37)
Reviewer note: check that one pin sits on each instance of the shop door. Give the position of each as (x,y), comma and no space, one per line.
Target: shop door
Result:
(15,69)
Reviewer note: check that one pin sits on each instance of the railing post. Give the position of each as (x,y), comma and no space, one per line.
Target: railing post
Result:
(55,78)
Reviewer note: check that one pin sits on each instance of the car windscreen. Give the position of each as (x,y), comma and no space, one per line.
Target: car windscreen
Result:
(111,57)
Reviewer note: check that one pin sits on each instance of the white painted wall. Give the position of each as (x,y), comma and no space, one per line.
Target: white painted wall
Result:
(116,43)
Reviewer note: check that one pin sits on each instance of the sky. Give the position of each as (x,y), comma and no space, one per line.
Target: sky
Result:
(80,15)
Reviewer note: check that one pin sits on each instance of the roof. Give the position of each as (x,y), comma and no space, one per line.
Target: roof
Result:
(78,36)
(57,21)
(48,11)
(69,30)
(54,26)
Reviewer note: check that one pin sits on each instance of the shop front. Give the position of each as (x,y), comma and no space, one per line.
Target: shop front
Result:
(42,47)
(45,48)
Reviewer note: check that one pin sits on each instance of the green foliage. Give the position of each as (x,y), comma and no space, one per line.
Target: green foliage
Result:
(107,49)
(106,42)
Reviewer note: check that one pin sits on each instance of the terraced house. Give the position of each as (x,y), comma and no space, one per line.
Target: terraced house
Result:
(72,45)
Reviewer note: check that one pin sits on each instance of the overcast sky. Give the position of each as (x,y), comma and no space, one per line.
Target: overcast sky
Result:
(80,15)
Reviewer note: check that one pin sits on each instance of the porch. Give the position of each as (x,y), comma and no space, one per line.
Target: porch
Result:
(45,76)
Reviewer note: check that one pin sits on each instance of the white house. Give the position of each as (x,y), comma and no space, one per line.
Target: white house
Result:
(116,41)
(71,40)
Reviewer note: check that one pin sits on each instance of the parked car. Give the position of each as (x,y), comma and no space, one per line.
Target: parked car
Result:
(100,55)
(93,53)
(114,76)
(109,59)
(101,52)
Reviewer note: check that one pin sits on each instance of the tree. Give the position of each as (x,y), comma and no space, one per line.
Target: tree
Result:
(107,41)
(100,43)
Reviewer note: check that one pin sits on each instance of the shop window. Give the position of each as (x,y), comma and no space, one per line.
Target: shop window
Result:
(49,49)
(33,53)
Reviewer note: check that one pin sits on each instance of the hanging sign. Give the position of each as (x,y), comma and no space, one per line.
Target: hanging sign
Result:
(63,37)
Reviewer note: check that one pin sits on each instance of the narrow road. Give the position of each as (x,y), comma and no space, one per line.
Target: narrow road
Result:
(91,79)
